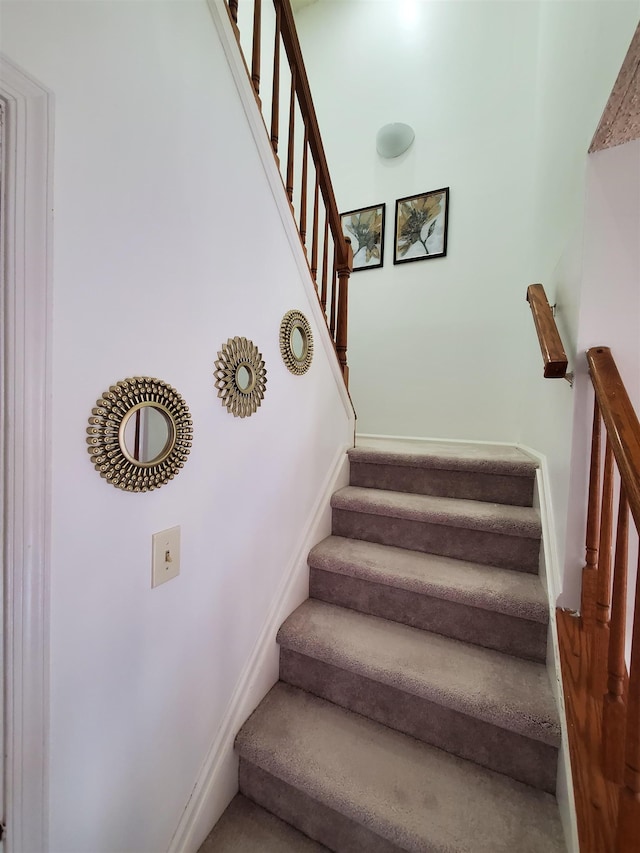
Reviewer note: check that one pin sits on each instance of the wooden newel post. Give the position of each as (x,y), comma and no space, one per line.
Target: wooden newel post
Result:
(345,267)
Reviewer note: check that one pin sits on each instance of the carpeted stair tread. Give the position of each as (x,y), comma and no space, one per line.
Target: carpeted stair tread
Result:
(415,796)
(483,459)
(505,691)
(453,512)
(247,828)
(486,587)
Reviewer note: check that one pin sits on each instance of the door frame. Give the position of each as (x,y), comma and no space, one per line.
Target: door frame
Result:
(26,468)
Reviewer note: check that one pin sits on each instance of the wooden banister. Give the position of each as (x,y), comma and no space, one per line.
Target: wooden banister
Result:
(620,420)
(553,354)
(333,291)
(605,593)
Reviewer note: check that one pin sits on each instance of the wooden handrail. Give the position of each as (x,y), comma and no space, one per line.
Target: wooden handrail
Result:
(621,422)
(333,292)
(604,594)
(553,354)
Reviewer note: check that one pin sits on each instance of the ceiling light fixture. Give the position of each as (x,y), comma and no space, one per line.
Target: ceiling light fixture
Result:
(394,139)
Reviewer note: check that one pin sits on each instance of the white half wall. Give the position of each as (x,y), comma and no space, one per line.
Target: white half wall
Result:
(167,241)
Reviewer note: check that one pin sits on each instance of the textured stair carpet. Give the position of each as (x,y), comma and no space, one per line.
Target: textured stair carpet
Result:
(413,711)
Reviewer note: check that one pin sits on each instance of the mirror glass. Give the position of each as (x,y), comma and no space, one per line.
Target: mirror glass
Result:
(148,434)
(298,343)
(244,378)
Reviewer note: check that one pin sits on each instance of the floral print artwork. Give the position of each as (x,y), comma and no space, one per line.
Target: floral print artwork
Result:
(421,226)
(365,229)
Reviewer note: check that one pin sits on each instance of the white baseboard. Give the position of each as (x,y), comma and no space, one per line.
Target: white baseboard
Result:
(421,439)
(550,575)
(217,782)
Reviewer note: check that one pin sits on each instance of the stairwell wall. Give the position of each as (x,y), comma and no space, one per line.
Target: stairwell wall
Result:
(504,98)
(581,47)
(167,241)
(436,345)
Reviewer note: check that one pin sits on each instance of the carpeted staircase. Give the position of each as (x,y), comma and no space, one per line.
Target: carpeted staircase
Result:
(414,710)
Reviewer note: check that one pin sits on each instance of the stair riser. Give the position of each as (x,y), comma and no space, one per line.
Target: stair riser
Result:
(491,746)
(315,819)
(493,549)
(495,488)
(519,637)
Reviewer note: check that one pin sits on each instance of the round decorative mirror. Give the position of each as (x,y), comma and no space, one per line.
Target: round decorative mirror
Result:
(245,378)
(139,434)
(241,377)
(147,434)
(296,342)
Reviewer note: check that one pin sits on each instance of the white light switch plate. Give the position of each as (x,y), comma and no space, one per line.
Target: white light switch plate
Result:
(166,556)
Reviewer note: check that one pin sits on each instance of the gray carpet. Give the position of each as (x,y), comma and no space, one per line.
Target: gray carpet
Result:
(414,711)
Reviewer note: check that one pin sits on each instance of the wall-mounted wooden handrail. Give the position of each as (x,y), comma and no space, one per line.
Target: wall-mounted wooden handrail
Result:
(606,591)
(553,354)
(333,294)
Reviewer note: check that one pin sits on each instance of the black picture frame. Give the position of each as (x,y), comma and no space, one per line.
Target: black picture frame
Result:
(421,226)
(364,226)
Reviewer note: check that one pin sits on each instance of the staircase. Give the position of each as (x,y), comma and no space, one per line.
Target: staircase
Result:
(413,711)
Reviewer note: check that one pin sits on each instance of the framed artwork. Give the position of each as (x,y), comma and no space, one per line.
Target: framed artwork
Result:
(421,226)
(365,229)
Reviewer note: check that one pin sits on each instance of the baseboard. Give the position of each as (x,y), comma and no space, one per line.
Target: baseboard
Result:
(421,439)
(217,782)
(550,575)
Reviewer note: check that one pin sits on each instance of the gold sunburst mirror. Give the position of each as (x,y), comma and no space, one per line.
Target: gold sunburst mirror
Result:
(296,342)
(139,434)
(241,377)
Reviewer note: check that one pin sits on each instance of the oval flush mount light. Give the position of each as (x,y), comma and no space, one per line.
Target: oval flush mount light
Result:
(392,140)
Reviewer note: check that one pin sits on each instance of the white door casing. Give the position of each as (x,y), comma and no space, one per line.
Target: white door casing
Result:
(26,431)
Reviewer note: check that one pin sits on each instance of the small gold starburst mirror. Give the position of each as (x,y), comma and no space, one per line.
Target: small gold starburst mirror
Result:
(139,434)
(241,377)
(296,342)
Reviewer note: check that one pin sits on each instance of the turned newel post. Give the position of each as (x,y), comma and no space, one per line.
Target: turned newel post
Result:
(345,266)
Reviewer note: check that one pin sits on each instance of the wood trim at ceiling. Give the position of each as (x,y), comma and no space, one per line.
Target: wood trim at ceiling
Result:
(620,121)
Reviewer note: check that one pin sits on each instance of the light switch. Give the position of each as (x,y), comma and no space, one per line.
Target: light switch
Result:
(166,556)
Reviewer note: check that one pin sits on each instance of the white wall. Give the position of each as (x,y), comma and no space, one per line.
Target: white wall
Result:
(435,348)
(581,47)
(167,241)
(504,98)
(609,316)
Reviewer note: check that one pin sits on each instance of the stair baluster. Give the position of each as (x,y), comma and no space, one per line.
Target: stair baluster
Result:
(300,98)
(614,710)
(275,95)
(590,571)
(600,635)
(629,799)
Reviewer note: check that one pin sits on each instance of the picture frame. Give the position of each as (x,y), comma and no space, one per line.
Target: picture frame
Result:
(365,228)
(421,226)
